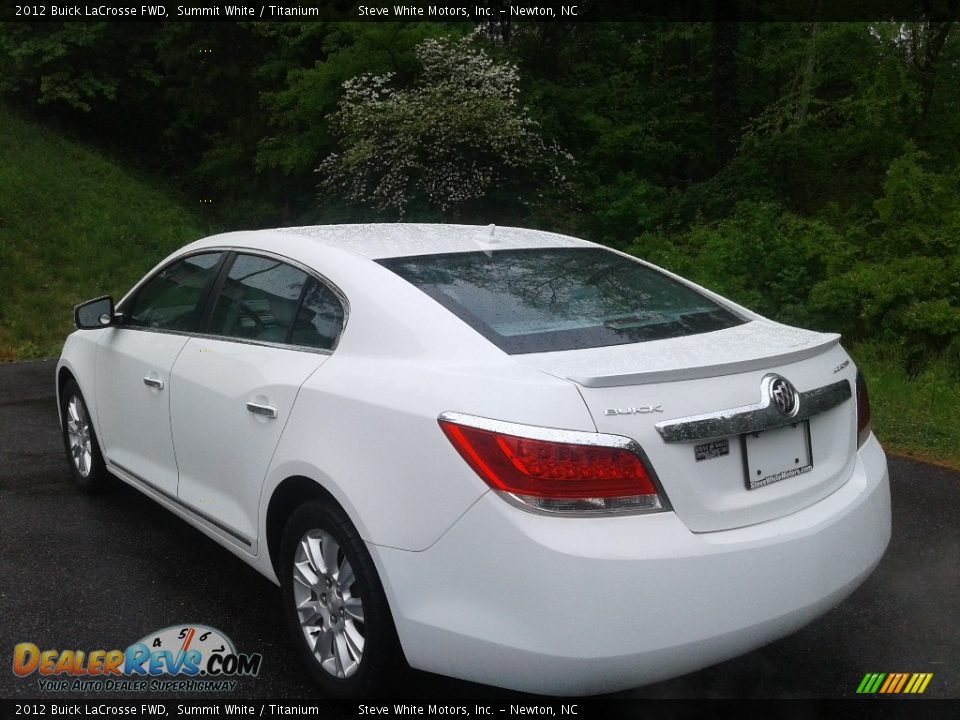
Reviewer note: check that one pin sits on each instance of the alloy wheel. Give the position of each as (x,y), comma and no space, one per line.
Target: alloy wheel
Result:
(329,603)
(78,435)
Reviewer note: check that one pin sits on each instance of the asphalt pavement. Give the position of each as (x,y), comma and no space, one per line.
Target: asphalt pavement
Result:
(102,572)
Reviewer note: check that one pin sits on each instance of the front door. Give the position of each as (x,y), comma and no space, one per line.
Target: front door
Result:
(133,370)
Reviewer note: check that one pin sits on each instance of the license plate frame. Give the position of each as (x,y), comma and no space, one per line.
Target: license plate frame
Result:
(769,461)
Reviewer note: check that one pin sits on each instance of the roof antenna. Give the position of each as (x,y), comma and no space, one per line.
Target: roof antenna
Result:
(486,239)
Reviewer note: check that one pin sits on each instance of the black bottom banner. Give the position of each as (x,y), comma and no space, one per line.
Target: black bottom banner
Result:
(573,709)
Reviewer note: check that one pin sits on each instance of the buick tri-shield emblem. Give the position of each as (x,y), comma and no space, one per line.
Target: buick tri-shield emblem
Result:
(784,396)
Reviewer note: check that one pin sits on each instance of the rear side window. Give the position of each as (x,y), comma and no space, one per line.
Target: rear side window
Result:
(548,299)
(171,299)
(320,318)
(258,300)
(268,300)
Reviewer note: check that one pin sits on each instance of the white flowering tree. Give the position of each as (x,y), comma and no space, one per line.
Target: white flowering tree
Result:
(456,135)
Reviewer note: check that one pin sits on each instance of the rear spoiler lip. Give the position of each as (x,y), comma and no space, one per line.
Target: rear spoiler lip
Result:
(707,371)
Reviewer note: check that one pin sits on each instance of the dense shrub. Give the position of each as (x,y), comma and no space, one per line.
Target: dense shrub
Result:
(904,284)
(762,257)
(894,279)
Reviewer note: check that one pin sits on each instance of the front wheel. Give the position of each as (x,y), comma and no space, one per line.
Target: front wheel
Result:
(80,442)
(334,603)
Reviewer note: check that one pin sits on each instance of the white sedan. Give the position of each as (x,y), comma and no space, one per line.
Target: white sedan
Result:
(497,454)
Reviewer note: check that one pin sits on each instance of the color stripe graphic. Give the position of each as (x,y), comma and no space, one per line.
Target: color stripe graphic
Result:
(894,683)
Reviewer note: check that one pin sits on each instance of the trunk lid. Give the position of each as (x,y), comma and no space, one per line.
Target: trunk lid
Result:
(724,454)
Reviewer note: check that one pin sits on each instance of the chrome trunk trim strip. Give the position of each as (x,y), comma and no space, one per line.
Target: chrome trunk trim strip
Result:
(753,418)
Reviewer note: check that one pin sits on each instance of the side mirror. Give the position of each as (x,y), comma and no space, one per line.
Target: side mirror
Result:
(94,314)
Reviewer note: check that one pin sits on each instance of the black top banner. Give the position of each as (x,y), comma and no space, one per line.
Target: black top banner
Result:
(492,11)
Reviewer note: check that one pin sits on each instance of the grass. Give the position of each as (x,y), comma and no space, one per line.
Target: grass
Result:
(917,416)
(73,225)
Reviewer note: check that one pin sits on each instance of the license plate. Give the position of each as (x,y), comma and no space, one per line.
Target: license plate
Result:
(775,455)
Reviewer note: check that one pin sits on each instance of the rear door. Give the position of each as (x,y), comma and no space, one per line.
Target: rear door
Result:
(133,369)
(272,324)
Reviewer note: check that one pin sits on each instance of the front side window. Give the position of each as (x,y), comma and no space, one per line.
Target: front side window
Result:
(258,300)
(549,299)
(172,299)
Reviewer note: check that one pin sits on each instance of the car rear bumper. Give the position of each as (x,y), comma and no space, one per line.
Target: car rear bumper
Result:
(585,605)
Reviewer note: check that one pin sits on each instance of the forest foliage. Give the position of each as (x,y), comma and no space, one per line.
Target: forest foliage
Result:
(810,170)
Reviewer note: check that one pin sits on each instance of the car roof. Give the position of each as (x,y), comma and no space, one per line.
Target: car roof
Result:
(386,240)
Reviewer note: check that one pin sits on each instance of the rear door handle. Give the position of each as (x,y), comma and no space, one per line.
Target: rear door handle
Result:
(153,382)
(266,410)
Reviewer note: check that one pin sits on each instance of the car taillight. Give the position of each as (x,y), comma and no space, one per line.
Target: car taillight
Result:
(863,411)
(556,471)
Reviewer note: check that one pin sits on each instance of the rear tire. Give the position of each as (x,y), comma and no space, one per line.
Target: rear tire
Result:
(334,604)
(80,442)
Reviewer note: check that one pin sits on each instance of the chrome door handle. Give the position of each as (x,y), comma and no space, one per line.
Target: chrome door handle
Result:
(266,410)
(153,382)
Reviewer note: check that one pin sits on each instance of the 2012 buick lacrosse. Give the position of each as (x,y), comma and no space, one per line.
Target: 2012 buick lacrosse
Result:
(503,455)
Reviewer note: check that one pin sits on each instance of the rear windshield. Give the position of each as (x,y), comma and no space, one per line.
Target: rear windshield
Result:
(546,299)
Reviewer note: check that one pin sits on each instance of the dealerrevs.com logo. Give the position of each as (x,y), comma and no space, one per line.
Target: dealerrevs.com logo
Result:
(179,658)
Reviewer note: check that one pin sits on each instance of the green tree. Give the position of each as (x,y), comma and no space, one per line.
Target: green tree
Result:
(72,66)
(311,85)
